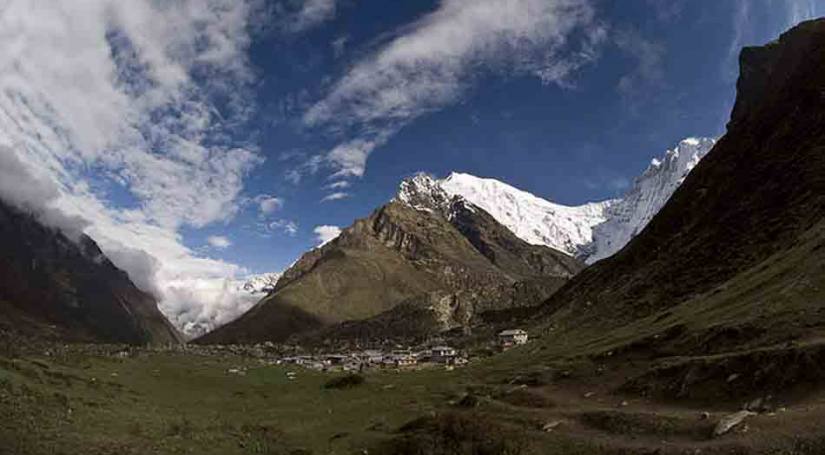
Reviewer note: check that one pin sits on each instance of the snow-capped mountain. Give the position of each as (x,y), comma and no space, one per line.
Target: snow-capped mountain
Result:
(627,216)
(533,219)
(591,231)
(259,284)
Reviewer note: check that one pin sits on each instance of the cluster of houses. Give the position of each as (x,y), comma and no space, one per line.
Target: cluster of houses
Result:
(360,360)
(398,358)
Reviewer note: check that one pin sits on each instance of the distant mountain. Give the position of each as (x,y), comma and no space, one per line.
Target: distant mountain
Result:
(261,284)
(438,253)
(592,231)
(65,289)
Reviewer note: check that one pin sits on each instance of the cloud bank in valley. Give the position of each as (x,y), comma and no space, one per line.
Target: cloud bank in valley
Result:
(129,91)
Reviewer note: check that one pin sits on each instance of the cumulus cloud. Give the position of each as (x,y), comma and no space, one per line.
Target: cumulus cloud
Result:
(432,62)
(267,205)
(137,95)
(325,234)
(219,241)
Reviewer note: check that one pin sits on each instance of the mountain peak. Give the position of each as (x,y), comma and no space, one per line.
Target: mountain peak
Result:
(423,192)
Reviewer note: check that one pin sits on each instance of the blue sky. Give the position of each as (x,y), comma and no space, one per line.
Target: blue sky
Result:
(199,143)
(664,71)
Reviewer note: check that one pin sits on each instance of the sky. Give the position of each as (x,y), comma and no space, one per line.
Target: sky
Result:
(200,142)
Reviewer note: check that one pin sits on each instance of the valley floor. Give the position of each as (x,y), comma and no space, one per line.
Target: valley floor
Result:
(72,401)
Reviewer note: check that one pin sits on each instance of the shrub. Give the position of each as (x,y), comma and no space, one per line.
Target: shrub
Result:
(345,382)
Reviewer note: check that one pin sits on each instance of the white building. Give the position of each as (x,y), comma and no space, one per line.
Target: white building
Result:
(512,337)
(443,354)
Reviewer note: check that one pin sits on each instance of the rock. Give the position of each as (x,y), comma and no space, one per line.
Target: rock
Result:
(757,405)
(730,421)
(704,416)
(550,426)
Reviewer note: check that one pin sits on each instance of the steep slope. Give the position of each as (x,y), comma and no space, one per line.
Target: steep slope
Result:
(422,244)
(592,231)
(734,260)
(53,287)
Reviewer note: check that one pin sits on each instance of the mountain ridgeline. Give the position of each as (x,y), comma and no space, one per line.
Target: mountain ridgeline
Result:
(425,253)
(734,260)
(56,288)
(592,231)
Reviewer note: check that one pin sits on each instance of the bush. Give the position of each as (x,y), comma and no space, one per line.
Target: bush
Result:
(345,382)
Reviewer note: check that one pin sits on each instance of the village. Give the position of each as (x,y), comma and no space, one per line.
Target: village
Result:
(399,358)
(359,360)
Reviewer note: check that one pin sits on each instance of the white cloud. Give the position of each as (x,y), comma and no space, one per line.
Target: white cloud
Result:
(219,241)
(339,45)
(288,227)
(128,92)
(335,196)
(431,63)
(311,14)
(325,234)
(267,205)
(339,185)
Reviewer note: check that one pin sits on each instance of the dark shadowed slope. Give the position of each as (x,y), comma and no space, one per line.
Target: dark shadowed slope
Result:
(735,257)
(54,287)
(446,258)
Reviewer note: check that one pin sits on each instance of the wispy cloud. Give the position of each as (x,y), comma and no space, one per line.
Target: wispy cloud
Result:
(130,92)
(335,196)
(649,62)
(287,227)
(756,23)
(309,14)
(339,185)
(326,233)
(432,62)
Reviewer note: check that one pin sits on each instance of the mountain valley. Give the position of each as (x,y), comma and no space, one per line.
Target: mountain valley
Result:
(684,317)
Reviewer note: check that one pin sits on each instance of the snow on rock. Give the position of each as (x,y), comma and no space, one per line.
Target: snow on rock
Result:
(531,218)
(259,284)
(627,216)
(591,231)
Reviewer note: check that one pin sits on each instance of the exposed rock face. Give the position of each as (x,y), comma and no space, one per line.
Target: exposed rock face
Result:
(428,253)
(57,288)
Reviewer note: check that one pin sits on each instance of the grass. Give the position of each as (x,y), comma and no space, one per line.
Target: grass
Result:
(177,403)
(71,402)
